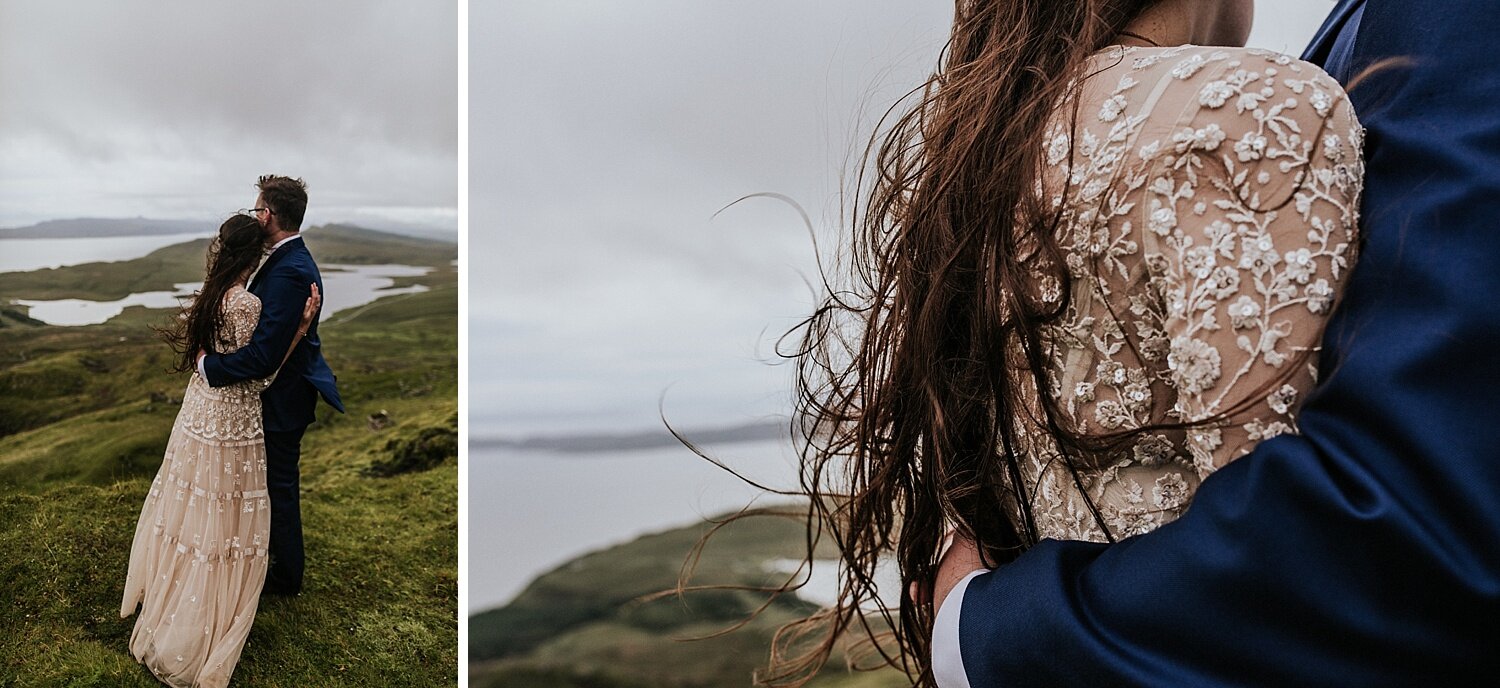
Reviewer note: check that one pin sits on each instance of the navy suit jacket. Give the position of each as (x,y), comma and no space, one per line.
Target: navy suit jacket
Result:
(1366,551)
(283,285)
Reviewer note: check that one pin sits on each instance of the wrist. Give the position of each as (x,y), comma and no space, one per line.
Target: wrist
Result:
(960,560)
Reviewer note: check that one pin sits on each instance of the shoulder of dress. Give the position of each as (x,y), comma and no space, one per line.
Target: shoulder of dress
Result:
(1242,88)
(1197,66)
(238,294)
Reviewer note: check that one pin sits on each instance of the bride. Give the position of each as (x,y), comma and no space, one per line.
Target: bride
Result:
(198,559)
(1091,266)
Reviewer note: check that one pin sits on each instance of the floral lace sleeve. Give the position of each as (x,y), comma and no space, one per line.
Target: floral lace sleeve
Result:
(1207,200)
(1251,232)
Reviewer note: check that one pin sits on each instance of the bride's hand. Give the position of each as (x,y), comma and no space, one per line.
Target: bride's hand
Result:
(310,310)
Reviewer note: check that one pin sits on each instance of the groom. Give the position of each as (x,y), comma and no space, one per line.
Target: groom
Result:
(282,283)
(1366,551)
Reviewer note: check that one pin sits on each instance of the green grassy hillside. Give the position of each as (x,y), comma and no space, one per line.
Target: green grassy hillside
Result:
(84,418)
(584,624)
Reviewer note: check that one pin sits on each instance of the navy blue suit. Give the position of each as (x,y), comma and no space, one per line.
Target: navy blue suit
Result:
(1366,551)
(283,285)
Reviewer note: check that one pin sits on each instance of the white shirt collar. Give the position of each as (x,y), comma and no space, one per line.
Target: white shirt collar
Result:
(283,241)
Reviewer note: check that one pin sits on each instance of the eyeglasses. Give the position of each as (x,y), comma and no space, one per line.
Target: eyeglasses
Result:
(252,211)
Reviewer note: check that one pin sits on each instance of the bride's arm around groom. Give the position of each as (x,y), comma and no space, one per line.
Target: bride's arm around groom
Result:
(1365,551)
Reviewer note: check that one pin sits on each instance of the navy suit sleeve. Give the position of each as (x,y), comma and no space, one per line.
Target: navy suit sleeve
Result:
(1366,551)
(285,293)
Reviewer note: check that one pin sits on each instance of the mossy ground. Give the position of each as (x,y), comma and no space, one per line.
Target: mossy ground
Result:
(87,412)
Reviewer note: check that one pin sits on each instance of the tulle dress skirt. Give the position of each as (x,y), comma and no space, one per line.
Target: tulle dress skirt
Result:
(198,560)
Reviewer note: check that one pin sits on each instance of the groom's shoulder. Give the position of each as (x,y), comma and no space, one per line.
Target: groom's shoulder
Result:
(296,261)
(307,262)
(300,254)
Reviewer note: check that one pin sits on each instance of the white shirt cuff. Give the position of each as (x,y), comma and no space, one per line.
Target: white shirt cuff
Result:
(201,372)
(947,662)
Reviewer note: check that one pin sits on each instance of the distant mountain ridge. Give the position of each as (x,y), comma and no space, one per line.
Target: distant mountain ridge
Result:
(647,439)
(94,227)
(103,227)
(352,230)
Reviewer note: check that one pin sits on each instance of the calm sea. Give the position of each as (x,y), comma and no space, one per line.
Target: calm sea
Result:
(344,287)
(21,255)
(531,511)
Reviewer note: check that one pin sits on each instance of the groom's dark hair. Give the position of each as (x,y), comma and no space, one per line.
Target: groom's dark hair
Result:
(287,199)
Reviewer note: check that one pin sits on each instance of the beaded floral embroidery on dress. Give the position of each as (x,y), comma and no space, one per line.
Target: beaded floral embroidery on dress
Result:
(1209,201)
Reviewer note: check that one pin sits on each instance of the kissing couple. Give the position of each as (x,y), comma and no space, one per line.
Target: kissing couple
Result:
(222,522)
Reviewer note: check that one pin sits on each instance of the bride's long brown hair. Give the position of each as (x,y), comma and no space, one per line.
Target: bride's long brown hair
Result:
(906,390)
(927,344)
(233,253)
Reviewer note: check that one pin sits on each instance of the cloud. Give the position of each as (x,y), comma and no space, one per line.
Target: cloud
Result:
(605,135)
(172,108)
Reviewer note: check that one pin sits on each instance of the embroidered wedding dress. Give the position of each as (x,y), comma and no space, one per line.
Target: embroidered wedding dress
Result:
(198,560)
(1209,199)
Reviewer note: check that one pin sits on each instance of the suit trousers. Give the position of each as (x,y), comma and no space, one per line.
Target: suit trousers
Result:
(283,451)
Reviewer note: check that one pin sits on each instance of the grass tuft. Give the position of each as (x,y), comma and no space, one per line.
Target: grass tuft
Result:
(428,449)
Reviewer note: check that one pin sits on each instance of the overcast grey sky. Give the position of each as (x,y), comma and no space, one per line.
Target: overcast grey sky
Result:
(604,136)
(172,108)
